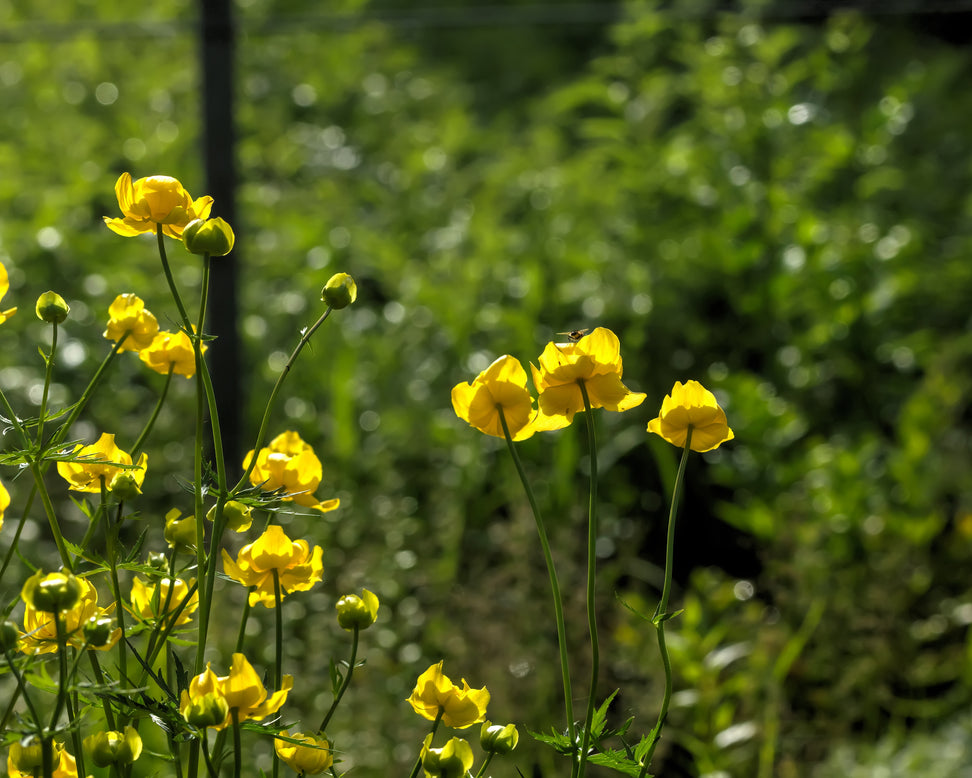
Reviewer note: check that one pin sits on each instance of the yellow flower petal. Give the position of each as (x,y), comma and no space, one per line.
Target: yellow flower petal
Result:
(692,405)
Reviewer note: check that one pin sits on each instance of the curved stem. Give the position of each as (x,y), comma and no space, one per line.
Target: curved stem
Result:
(591,580)
(137,448)
(344,683)
(261,434)
(418,762)
(485,764)
(554,584)
(661,612)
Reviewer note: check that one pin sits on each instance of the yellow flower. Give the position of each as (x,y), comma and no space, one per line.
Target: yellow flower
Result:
(148,601)
(4,288)
(502,385)
(453,760)
(203,704)
(40,632)
(290,464)
(460,708)
(4,502)
(152,201)
(595,361)
(692,405)
(100,463)
(311,759)
(113,747)
(128,316)
(298,568)
(26,761)
(170,349)
(241,690)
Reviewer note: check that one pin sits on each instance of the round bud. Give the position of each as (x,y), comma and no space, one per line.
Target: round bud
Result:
(9,636)
(237,515)
(354,611)
(97,631)
(209,710)
(498,740)
(52,308)
(52,593)
(209,236)
(340,291)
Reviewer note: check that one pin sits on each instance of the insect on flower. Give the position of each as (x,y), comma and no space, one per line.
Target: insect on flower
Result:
(574,335)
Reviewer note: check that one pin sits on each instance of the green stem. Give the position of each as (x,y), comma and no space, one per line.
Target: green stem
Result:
(16,538)
(100,679)
(21,689)
(38,474)
(661,612)
(278,649)
(418,762)
(344,683)
(554,584)
(237,744)
(111,537)
(137,448)
(304,340)
(243,620)
(62,679)
(591,580)
(160,239)
(486,761)
(47,386)
(210,768)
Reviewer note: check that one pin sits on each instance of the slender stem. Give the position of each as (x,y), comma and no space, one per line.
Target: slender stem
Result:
(111,537)
(210,768)
(661,612)
(137,448)
(278,623)
(47,756)
(591,571)
(160,239)
(554,584)
(304,340)
(38,474)
(344,683)
(243,620)
(21,689)
(47,386)
(100,679)
(418,762)
(16,538)
(62,675)
(485,764)
(238,744)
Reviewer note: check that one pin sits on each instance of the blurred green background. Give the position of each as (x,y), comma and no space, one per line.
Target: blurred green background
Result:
(772,198)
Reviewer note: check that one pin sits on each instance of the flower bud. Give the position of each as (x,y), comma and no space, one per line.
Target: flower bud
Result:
(9,636)
(97,631)
(310,759)
(209,710)
(339,291)
(119,748)
(52,308)
(125,485)
(453,760)
(180,531)
(157,561)
(498,740)
(209,236)
(354,611)
(237,515)
(51,593)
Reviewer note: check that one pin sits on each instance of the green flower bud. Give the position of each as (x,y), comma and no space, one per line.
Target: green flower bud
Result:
(354,611)
(453,760)
(209,236)
(339,291)
(9,636)
(52,308)
(108,748)
(125,485)
(180,531)
(208,710)
(498,740)
(237,515)
(97,631)
(51,593)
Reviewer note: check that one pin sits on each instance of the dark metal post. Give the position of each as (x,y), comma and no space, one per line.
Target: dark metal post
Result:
(217,44)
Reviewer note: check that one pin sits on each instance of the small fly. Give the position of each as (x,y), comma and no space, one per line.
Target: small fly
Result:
(574,335)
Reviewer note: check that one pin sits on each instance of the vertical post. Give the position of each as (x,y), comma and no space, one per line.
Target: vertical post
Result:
(217,44)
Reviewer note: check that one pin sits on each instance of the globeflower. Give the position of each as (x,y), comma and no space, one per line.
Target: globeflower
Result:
(149,600)
(4,288)
(310,759)
(297,567)
(501,387)
(27,761)
(40,631)
(171,350)
(129,319)
(435,694)
(453,760)
(99,463)
(155,201)
(692,406)
(241,691)
(290,464)
(113,747)
(354,612)
(593,361)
